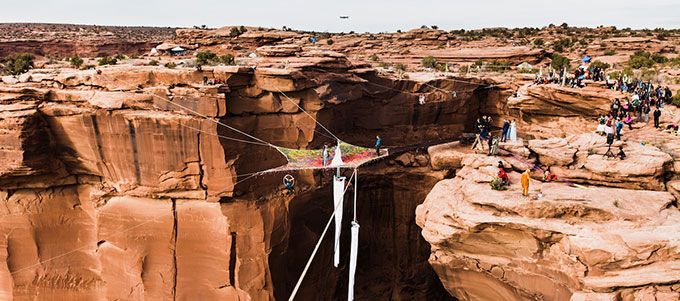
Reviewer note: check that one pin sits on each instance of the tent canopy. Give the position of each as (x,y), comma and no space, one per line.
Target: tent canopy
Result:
(586,59)
(177,49)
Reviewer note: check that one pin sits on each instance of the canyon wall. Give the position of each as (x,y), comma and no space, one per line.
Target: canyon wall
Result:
(120,183)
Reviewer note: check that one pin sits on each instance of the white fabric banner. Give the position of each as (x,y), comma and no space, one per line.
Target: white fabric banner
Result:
(338,195)
(353,254)
(337,158)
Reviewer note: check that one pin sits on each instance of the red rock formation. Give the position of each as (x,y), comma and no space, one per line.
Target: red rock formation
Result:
(119,189)
(562,243)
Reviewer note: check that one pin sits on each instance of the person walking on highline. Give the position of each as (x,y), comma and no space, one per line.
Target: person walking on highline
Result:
(657,115)
(525,183)
(378,144)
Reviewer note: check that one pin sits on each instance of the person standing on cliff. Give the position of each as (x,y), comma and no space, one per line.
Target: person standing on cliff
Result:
(378,145)
(506,128)
(657,115)
(525,183)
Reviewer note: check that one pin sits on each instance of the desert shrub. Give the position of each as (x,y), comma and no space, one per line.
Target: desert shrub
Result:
(676,98)
(17,64)
(227,59)
(424,27)
(374,57)
(234,32)
(497,184)
(120,57)
(559,62)
(205,57)
(153,63)
(435,27)
(76,61)
(429,62)
(170,65)
(400,67)
(610,52)
(499,66)
(628,71)
(330,42)
(562,44)
(600,64)
(107,60)
(242,29)
(538,42)
(644,59)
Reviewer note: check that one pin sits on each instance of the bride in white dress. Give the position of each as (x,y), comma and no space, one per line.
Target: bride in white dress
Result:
(513,131)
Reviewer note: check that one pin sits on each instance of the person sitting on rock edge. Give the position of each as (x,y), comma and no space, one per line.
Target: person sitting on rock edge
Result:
(548,176)
(505,180)
(621,154)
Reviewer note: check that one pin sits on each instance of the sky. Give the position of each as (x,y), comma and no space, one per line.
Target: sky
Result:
(364,15)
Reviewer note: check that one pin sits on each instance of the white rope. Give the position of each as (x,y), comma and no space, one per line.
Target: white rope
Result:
(310,115)
(217,122)
(356,187)
(316,248)
(220,136)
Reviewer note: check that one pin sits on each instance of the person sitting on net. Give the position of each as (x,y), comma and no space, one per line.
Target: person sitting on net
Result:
(289,182)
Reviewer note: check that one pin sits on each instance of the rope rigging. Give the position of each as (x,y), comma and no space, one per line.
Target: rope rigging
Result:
(318,244)
(218,122)
(310,115)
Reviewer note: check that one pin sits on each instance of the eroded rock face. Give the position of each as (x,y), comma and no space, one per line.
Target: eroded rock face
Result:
(125,183)
(581,159)
(561,243)
(547,111)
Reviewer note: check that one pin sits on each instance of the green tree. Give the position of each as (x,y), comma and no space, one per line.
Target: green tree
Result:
(227,59)
(330,42)
(559,62)
(107,60)
(76,61)
(600,64)
(429,62)
(644,59)
(18,64)
(234,32)
(205,57)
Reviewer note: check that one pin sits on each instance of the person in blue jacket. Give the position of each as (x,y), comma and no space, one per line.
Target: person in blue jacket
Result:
(378,145)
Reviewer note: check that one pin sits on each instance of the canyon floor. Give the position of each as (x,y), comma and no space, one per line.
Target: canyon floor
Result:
(157,179)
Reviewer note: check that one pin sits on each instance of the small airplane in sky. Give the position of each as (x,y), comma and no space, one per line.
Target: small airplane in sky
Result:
(344,17)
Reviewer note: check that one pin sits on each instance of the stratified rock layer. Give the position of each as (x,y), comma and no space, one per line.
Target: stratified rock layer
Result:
(563,242)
